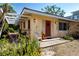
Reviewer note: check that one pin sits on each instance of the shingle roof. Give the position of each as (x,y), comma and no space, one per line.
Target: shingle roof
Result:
(47,14)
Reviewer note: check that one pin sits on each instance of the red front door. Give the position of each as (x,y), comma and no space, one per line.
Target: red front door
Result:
(48,28)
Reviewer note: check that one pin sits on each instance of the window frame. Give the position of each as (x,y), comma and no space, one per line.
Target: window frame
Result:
(63,26)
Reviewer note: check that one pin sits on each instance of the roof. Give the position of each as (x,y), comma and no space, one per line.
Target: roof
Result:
(69,17)
(11,18)
(44,14)
(75,11)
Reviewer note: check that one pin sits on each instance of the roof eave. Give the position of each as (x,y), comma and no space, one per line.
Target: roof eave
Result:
(49,15)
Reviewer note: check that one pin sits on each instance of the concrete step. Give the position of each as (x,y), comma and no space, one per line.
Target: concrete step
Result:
(52,42)
(51,39)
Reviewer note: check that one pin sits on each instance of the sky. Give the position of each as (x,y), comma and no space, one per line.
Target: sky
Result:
(67,7)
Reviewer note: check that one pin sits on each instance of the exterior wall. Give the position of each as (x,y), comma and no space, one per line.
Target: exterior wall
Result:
(26,23)
(37,26)
(74,27)
(22,22)
(40,24)
(54,27)
(62,33)
(22,25)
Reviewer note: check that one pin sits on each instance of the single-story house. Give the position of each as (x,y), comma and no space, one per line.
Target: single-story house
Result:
(37,22)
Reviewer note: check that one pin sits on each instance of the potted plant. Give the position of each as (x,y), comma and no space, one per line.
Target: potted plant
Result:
(43,35)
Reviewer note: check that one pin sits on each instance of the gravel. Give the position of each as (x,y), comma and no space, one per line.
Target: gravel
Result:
(67,49)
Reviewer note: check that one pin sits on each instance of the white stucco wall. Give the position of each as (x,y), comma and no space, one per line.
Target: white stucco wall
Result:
(37,26)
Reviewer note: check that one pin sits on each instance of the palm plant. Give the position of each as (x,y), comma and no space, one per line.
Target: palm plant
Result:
(6,7)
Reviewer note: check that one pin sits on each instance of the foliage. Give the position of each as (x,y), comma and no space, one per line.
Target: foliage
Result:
(5,29)
(75,35)
(11,30)
(7,7)
(68,37)
(15,27)
(24,47)
(53,9)
(30,46)
(33,48)
(6,26)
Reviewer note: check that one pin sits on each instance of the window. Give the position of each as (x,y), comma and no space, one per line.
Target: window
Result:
(75,17)
(29,24)
(24,25)
(63,26)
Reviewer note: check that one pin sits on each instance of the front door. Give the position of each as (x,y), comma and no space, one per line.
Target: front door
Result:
(48,28)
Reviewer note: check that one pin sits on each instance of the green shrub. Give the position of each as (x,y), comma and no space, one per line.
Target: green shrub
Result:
(6,26)
(24,47)
(33,48)
(15,27)
(11,30)
(30,46)
(4,36)
(9,27)
(68,37)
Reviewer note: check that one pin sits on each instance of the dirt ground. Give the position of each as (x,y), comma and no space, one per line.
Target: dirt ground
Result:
(67,49)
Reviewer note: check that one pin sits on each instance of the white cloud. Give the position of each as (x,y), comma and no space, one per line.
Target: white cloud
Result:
(67,14)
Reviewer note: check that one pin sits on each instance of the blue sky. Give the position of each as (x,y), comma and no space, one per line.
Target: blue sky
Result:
(67,7)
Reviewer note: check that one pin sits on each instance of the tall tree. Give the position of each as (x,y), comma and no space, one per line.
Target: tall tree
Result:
(53,10)
(6,7)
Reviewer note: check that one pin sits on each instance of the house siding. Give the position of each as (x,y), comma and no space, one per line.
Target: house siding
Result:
(41,24)
(37,24)
(74,27)
(62,33)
